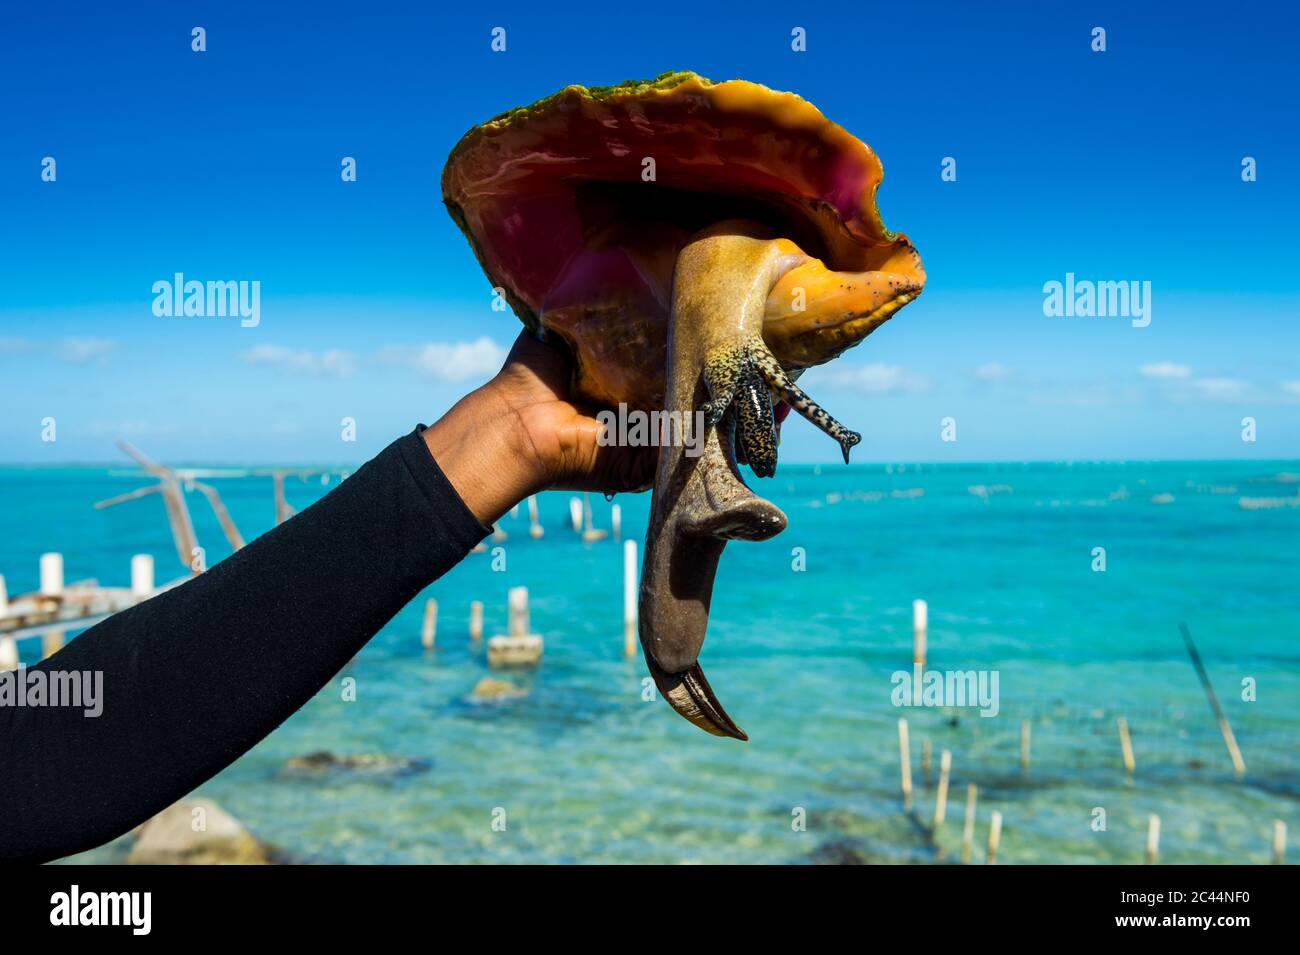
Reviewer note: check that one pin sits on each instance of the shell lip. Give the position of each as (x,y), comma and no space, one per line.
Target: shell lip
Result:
(512,184)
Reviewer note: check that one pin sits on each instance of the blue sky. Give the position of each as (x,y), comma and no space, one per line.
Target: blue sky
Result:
(1122,165)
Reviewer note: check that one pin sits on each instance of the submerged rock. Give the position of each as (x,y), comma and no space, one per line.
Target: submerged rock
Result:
(324,762)
(489,690)
(197,832)
(841,852)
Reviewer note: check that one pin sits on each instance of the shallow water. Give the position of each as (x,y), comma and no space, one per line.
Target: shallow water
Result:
(586,771)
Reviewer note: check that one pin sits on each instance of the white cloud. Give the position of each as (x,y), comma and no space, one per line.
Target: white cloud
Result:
(1165,370)
(1220,389)
(878,379)
(1292,388)
(448,361)
(79,351)
(992,371)
(335,363)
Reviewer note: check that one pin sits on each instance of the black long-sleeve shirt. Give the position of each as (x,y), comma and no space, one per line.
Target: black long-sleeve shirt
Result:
(193,678)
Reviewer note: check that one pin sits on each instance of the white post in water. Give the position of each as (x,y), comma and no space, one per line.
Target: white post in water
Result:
(429,631)
(941,797)
(968,829)
(905,764)
(629,598)
(1153,839)
(534,527)
(51,643)
(1279,841)
(517,647)
(8,645)
(476,620)
(517,602)
(142,575)
(1126,745)
(51,575)
(575,514)
(616,521)
(920,620)
(995,837)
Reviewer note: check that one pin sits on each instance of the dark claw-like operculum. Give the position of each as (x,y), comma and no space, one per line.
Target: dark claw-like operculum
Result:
(755,428)
(722,376)
(794,396)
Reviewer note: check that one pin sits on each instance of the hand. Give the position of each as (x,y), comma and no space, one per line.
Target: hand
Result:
(521,433)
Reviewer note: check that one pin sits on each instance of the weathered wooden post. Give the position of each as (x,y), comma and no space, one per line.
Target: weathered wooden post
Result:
(968,828)
(1153,839)
(616,521)
(1229,740)
(590,533)
(534,526)
(920,623)
(941,796)
(142,575)
(1279,841)
(925,758)
(429,630)
(476,620)
(51,575)
(995,837)
(575,514)
(629,598)
(51,587)
(905,763)
(8,645)
(1024,746)
(1126,745)
(518,647)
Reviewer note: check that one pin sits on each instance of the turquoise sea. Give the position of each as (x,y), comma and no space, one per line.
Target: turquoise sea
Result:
(587,771)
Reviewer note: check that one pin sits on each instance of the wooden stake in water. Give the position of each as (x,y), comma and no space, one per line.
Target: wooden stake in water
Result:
(429,631)
(968,829)
(616,521)
(905,764)
(534,526)
(8,645)
(476,620)
(629,598)
(1126,745)
(575,514)
(995,837)
(941,796)
(920,622)
(142,575)
(1024,746)
(590,533)
(51,643)
(517,602)
(1153,838)
(1279,841)
(51,575)
(925,757)
(1238,764)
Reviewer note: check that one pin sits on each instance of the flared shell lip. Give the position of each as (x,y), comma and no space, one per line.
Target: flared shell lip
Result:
(844,211)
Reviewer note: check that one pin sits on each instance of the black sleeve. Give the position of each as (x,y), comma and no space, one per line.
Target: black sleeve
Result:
(196,676)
